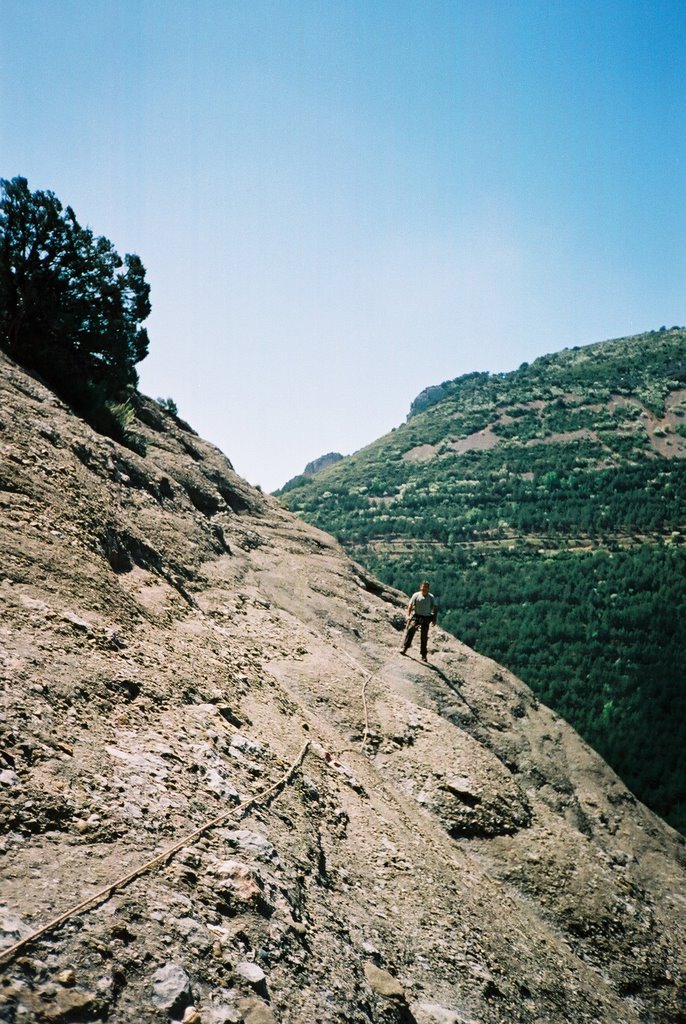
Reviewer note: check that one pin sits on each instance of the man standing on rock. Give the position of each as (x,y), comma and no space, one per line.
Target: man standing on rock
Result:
(421,612)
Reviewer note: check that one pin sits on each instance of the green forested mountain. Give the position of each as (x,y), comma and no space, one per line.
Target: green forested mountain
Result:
(548,508)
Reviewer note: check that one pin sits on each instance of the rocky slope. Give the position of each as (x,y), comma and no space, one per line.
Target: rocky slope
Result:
(548,508)
(172,644)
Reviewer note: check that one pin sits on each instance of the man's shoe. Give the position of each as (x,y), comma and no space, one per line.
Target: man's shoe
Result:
(423,658)
(403,650)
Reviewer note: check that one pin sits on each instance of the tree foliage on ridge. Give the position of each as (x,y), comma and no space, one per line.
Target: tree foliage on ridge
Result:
(70,307)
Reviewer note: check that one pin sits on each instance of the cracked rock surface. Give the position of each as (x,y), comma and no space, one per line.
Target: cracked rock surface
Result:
(445,851)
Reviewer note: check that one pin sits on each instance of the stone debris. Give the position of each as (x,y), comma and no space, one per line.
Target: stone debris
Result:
(171,989)
(251,972)
(245,745)
(336,766)
(246,884)
(383,983)
(434,1013)
(12,927)
(252,843)
(254,1011)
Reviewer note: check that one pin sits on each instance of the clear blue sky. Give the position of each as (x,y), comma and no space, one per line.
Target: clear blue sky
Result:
(339,202)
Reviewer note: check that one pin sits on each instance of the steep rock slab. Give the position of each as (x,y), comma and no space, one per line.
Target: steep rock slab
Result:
(448,850)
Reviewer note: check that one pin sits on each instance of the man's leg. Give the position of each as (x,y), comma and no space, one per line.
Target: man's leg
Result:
(424,637)
(409,633)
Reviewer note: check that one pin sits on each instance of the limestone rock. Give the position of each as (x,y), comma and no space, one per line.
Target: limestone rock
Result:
(251,972)
(383,983)
(254,1011)
(317,465)
(171,988)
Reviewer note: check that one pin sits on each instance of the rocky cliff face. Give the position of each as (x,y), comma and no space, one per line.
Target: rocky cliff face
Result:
(210,735)
(426,398)
(317,465)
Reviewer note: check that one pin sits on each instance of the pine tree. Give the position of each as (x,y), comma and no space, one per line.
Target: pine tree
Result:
(70,307)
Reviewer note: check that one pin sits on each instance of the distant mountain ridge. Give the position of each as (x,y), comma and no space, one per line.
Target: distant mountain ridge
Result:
(548,506)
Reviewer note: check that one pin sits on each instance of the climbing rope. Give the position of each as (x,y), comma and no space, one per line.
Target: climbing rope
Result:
(108,890)
(368,676)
